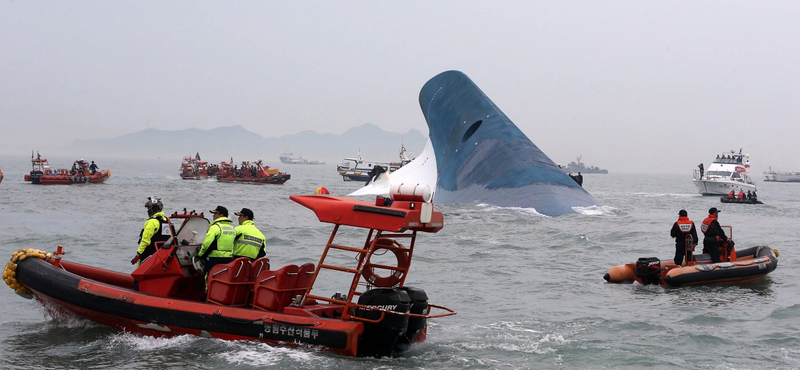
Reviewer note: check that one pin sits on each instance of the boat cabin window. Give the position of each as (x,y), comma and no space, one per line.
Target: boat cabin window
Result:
(736,176)
(718,173)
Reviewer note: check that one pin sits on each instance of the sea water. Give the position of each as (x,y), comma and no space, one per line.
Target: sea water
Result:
(528,289)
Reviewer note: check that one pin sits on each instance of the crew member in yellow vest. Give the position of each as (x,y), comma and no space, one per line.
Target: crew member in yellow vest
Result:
(218,245)
(156,229)
(249,242)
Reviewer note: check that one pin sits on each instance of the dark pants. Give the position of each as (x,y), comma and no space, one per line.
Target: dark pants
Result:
(712,248)
(680,252)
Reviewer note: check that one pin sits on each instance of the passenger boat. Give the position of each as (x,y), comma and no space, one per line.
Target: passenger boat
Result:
(357,169)
(42,173)
(193,168)
(729,171)
(289,158)
(251,173)
(376,315)
(775,176)
(743,266)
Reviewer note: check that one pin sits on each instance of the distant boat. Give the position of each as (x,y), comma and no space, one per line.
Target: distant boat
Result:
(81,173)
(775,176)
(289,158)
(578,166)
(357,169)
(728,172)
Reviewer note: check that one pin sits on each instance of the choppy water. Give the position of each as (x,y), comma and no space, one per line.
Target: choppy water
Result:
(528,289)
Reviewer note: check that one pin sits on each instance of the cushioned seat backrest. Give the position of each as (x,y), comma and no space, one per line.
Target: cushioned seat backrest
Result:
(272,289)
(228,283)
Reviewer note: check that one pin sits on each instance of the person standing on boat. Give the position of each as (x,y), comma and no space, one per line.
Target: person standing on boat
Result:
(156,229)
(218,245)
(702,170)
(714,235)
(93,167)
(249,241)
(681,231)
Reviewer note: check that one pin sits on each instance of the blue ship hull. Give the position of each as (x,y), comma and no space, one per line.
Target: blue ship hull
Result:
(484,157)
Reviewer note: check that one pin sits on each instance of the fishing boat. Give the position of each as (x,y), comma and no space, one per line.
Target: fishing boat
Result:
(80,173)
(357,169)
(729,171)
(742,266)
(289,158)
(251,173)
(371,312)
(777,176)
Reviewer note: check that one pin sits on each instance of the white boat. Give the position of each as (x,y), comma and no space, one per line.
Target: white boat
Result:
(776,176)
(729,171)
(357,169)
(289,158)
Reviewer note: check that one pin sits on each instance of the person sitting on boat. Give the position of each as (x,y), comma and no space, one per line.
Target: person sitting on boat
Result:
(755,197)
(156,229)
(249,241)
(93,167)
(749,195)
(217,247)
(731,194)
(681,231)
(714,235)
(579,178)
(741,195)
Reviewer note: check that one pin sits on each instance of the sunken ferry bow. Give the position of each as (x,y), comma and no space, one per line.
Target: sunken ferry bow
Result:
(373,314)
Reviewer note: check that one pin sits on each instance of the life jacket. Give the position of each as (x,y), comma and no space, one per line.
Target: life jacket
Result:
(730,195)
(161,234)
(707,223)
(741,195)
(249,241)
(685,224)
(222,245)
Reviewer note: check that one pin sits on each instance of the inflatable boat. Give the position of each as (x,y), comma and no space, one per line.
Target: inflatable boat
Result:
(80,173)
(748,265)
(725,199)
(376,315)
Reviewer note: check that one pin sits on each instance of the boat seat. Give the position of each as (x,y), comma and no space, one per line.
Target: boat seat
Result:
(702,258)
(272,289)
(258,265)
(229,283)
(304,275)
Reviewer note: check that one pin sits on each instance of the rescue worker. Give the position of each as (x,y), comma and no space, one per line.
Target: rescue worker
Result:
(249,241)
(714,235)
(93,167)
(731,194)
(218,245)
(681,231)
(741,195)
(156,229)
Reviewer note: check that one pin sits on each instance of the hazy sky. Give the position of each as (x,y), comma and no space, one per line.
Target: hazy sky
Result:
(633,86)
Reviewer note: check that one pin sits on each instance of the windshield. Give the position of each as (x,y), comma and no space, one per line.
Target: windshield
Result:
(718,173)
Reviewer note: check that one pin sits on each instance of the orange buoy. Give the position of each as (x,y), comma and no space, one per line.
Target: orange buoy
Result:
(322,190)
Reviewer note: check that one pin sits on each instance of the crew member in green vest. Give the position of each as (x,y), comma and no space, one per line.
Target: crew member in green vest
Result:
(218,245)
(249,242)
(156,229)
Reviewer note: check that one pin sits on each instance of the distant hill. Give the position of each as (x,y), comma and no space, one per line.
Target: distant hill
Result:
(235,141)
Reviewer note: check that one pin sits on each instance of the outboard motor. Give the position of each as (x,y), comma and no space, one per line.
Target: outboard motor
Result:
(416,325)
(379,338)
(648,270)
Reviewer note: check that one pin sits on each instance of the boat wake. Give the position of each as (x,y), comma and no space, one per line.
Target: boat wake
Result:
(599,211)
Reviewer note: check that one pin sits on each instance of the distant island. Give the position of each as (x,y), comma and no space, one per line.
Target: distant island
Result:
(220,143)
